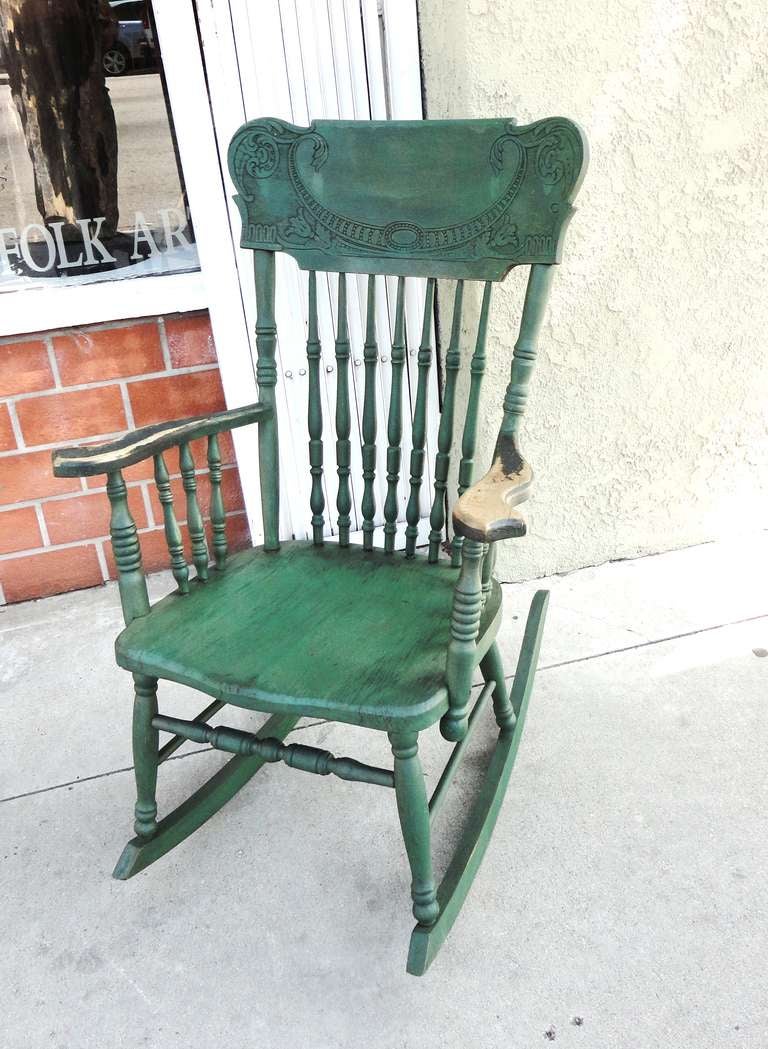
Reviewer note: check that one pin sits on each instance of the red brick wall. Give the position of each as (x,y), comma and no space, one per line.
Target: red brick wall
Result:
(79,386)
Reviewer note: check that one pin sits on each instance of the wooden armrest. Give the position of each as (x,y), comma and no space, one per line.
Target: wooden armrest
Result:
(485,511)
(136,445)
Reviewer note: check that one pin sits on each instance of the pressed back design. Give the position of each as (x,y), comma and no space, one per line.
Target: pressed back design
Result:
(461,199)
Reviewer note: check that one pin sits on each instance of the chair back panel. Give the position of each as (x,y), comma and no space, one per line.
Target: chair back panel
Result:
(432,198)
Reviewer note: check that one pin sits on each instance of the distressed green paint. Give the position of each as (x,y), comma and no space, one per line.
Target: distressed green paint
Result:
(125,546)
(343,419)
(419,430)
(462,649)
(471,417)
(145,756)
(173,538)
(430,198)
(370,358)
(315,417)
(395,421)
(295,755)
(413,810)
(218,517)
(445,430)
(266,377)
(346,633)
(489,561)
(388,610)
(524,353)
(138,445)
(194,517)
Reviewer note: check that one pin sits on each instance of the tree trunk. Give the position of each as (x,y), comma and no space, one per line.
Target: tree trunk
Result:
(53,54)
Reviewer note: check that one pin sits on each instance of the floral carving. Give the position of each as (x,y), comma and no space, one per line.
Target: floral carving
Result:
(262,158)
(504,234)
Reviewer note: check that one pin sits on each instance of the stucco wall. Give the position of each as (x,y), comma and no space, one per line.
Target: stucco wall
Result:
(647,420)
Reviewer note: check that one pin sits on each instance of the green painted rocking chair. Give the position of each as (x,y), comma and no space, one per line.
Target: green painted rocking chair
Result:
(355,634)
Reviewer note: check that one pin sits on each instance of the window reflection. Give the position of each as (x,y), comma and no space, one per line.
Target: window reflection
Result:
(90,184)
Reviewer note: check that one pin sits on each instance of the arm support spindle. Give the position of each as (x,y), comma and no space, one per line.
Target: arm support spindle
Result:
(173,538)
(218,517)
(194,517)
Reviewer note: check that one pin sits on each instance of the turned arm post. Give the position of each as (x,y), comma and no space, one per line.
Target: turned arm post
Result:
(125,546)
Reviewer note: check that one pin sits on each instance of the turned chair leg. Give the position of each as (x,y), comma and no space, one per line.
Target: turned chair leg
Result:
(492,669)
(413,809)
(145,758)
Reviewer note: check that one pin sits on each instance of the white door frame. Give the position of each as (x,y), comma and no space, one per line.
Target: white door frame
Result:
(285,82)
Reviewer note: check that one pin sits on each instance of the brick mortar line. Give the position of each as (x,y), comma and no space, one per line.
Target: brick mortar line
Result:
(16,426)
(62,497)
(145,495)
(164,347)
(94,438)
(92,541)
(127,406)
(102,559)
(53,362)
(100,384)
(42,525)
(52,333)
(115,325)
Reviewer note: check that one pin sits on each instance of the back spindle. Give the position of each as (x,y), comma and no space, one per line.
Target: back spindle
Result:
(315,417)
(445,431)
(343,423)
(370,356)
(173,538)
(395,421)
(469,436)
(194,517)
(419,431)
(218,519)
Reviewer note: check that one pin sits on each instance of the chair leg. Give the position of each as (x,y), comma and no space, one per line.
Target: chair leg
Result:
(413,809)
(492,669)
(145,760)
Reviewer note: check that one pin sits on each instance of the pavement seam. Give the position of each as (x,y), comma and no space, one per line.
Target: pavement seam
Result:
(128,768)
(509,677)
(648,644)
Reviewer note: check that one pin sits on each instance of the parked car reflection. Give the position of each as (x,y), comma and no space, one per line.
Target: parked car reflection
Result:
(133,45)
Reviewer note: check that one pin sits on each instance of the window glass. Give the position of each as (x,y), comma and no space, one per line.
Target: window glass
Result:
(90,183)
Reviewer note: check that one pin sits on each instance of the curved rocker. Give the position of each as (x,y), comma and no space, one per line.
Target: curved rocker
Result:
(426,940)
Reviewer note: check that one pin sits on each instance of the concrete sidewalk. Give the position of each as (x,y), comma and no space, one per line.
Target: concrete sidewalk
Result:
(623,902)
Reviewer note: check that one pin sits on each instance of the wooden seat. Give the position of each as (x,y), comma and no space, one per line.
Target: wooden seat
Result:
(265,635)
(384,639)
